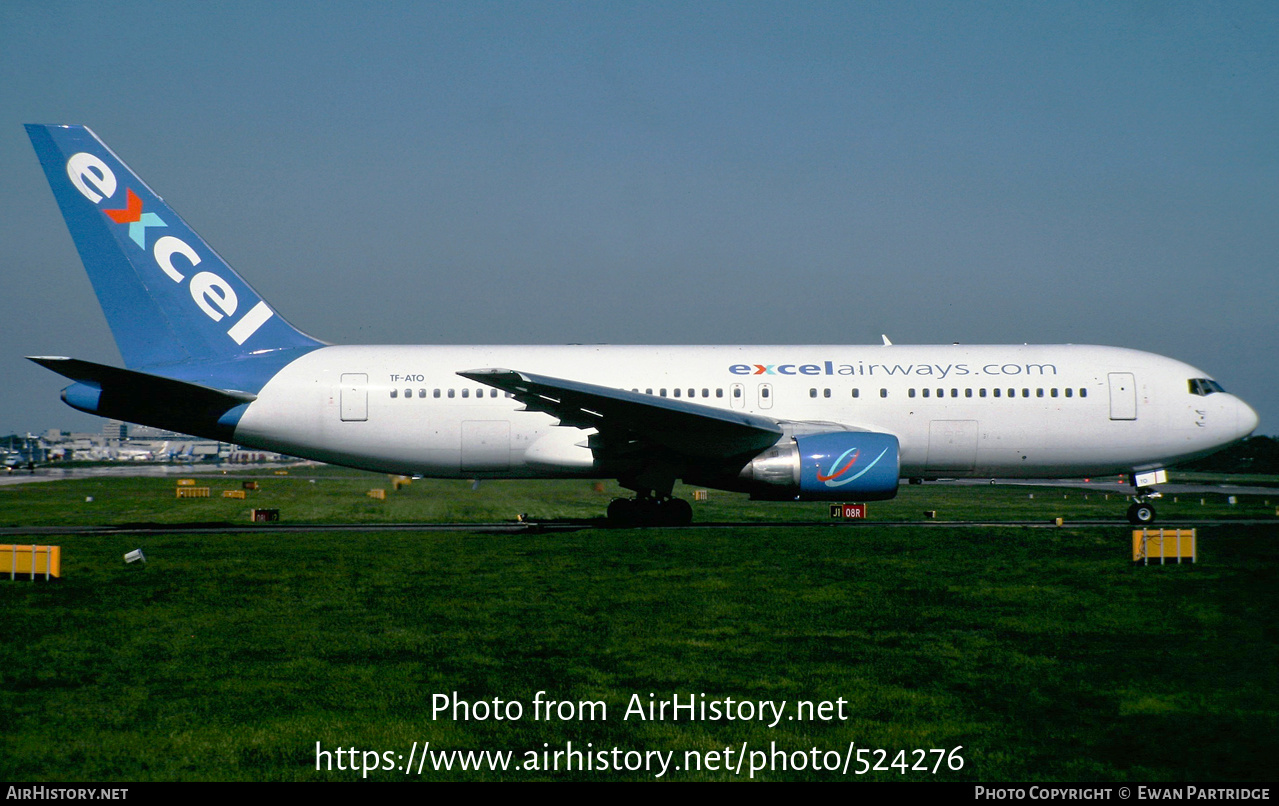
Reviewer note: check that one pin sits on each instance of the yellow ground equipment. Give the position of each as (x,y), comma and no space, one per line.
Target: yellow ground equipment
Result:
(1164,545)
(31,561)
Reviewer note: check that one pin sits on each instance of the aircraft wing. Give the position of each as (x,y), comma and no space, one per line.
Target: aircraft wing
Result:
(680,426)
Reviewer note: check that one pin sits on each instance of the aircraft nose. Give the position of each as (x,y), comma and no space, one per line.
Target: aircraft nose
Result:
(1246,419)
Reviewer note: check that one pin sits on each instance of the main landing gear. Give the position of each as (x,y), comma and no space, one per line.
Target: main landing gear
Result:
(648,511)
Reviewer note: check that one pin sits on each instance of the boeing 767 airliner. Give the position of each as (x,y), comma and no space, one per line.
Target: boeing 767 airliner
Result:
(204,354)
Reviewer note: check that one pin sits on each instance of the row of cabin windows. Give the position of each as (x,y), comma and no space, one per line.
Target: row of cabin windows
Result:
(719,393)
(764,391)
(479,393)
(812,392)
(450,393)
(1053,392)
(691,393)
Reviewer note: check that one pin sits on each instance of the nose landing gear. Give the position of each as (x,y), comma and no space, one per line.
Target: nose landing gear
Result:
(1142,512)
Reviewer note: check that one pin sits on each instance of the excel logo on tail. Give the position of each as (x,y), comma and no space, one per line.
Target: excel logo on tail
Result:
(210,292)
(137,220)
(841,470)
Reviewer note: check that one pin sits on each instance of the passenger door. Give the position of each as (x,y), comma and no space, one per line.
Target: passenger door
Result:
(355,397)
(1123,396)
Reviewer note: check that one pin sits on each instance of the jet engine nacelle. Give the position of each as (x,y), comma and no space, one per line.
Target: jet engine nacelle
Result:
(836,466)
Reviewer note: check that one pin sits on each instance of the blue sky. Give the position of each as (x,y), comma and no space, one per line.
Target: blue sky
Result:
(672,172)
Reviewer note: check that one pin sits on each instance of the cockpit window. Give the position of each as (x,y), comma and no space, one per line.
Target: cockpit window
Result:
(1204,386)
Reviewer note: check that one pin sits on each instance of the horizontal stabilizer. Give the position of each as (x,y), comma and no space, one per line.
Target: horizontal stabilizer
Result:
(139,397)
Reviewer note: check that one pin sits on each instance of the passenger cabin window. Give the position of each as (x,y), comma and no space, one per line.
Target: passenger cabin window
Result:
(395,393)
(883,393)
(857,393)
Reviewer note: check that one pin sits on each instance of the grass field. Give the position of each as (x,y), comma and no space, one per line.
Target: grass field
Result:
(1042,652)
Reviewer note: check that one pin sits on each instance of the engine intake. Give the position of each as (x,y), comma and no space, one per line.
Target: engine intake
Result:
(861,465)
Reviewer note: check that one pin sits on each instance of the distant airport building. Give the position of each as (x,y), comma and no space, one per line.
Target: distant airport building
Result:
(147,432)
(124,442)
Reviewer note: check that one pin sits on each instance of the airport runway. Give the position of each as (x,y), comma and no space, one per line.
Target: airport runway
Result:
(551,527)
(548,527)
(159,471)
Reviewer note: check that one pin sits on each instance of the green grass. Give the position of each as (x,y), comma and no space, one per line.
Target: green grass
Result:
(1042,652)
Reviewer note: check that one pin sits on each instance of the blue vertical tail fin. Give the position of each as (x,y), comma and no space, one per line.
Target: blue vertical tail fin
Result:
(170,300)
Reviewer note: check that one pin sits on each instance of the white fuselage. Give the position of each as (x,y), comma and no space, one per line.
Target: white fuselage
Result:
(958,410)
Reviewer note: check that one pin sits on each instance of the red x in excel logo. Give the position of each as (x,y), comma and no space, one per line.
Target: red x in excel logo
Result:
(137,220)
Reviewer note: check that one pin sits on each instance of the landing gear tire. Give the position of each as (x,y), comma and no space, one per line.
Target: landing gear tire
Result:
(1141,514)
